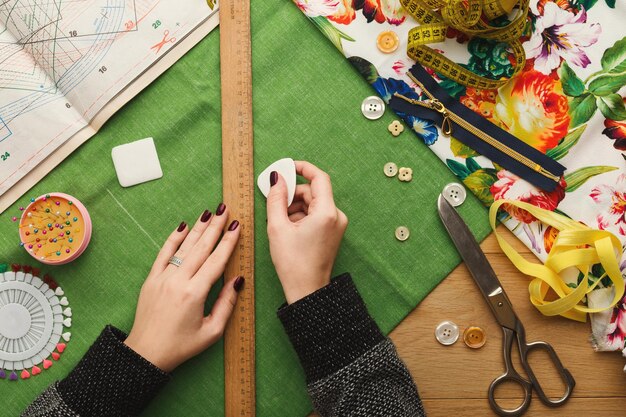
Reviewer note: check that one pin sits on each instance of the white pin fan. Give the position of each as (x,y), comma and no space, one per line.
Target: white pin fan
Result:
(31,321)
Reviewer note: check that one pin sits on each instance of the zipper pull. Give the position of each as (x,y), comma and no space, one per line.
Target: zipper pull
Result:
(446,124)
(433,104)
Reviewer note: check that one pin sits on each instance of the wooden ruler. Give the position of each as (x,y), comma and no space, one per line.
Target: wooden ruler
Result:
(238,172)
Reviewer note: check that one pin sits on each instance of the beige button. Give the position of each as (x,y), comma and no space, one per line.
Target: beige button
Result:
(405,174)
(396,128)
(474,337)
(447,333)
(454,193)
(387,42)
(390,169)
(402,233)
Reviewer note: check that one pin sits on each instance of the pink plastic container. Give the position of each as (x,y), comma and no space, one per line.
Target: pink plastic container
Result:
(55,228)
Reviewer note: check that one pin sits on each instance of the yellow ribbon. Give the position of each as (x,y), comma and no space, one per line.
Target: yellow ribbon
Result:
(576,246)
(435,16)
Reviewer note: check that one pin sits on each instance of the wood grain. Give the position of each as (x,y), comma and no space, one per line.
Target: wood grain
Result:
(238,186)
(453,380)
(588,406)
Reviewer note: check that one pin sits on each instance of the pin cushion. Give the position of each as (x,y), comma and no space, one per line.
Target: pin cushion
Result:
(55,228)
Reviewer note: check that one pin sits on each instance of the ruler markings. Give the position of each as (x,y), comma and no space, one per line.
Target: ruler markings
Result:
(238,172)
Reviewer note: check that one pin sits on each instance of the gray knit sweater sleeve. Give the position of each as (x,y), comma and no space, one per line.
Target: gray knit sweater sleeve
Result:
(352,370)
(111,380)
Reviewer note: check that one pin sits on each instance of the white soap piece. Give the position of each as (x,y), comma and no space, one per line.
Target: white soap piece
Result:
(67,336)
(286,167)
(136,162)
(59,291)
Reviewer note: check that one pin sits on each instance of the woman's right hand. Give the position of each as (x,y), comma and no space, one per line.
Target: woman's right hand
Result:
(304,238)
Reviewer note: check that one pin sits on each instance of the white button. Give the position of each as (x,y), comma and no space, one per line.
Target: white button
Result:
(373,107)
(454,193)
(447,333)
(402,233)
(390,169)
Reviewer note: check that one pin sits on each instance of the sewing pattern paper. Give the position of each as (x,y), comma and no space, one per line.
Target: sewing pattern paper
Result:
(63,64)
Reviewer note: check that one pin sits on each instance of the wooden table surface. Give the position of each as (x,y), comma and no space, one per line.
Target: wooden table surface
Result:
(453,380)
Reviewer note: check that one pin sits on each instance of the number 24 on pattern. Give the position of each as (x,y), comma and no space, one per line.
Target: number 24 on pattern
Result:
(4,156)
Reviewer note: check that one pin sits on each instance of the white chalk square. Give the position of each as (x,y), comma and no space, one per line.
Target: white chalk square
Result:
(136,162)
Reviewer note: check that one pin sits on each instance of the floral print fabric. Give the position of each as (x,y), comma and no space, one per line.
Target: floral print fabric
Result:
(568,102)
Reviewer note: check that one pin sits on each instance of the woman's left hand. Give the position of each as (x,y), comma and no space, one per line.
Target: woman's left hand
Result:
(170,326)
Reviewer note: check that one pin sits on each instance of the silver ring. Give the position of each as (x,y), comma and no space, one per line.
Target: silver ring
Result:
(175,260)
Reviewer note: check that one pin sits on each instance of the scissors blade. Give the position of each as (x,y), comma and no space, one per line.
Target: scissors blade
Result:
(477,264)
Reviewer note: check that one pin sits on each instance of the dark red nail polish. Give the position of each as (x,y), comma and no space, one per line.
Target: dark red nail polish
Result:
(182,226)
(220,209)
(205,216)
(238,284)
(273,178)
(234,225)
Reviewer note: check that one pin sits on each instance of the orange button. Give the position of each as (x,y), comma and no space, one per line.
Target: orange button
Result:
(388,41)
(474,337)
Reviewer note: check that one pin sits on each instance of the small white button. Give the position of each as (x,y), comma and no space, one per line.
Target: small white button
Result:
(402,233)
(447,333)
(454,193)
(390,169)
(373,107)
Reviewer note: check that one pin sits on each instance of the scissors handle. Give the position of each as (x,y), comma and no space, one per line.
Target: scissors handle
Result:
(509,375)
(517,379)
(566,376)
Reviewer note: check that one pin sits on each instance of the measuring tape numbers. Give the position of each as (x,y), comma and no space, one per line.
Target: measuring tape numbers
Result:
(436,16)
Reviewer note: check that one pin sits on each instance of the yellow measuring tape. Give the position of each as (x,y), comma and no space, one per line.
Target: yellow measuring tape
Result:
(576,246)
(435,16)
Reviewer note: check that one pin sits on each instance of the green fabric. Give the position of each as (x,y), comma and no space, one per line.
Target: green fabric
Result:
(306,105)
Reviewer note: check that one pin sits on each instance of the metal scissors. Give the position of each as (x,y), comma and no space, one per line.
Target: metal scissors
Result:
(494,294)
